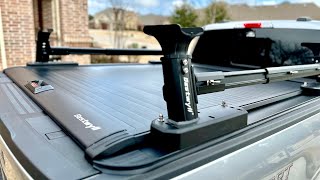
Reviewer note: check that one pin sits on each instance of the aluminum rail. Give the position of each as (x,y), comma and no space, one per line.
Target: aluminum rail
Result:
(218,81)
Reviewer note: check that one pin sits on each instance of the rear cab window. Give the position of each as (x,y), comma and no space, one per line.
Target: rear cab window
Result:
(258,47)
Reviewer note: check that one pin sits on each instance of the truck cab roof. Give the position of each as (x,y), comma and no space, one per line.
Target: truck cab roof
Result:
(283,24)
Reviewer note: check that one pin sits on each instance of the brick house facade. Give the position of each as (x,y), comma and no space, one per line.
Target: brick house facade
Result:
(21,19)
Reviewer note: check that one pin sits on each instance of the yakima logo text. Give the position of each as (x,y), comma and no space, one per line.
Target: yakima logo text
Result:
(186,88)
(86,122)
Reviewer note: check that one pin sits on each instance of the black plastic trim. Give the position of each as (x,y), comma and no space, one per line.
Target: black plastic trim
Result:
(183,161)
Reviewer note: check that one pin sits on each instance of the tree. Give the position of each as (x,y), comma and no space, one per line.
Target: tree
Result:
(117,18)
(90,17)
(118,9)
(216,12)
(184,15)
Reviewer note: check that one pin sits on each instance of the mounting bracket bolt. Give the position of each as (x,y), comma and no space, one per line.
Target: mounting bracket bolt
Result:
(185,70)
(185,62)
(161,118)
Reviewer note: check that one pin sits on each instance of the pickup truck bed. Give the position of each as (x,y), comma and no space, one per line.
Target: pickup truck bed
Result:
(117,97)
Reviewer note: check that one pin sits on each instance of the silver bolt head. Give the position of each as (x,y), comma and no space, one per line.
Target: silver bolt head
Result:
(185,62)
(161,119)
(185,70)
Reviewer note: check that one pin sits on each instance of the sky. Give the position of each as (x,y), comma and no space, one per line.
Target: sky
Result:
(166,7)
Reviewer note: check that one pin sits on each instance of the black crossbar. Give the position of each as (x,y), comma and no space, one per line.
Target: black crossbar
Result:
(218,81)
(68,50)
(44,50)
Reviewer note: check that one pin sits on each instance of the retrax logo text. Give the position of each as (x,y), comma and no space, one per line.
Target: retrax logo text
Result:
(188,100)
(87,123)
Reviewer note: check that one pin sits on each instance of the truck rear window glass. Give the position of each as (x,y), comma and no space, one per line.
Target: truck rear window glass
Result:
(258,47)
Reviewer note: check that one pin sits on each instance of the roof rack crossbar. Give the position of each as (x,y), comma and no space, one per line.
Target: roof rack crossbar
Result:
(218,81)
(44,50)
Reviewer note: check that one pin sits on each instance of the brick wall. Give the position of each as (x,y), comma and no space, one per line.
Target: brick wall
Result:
(75,27)
(36,14)
(47,14)
(18,29)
